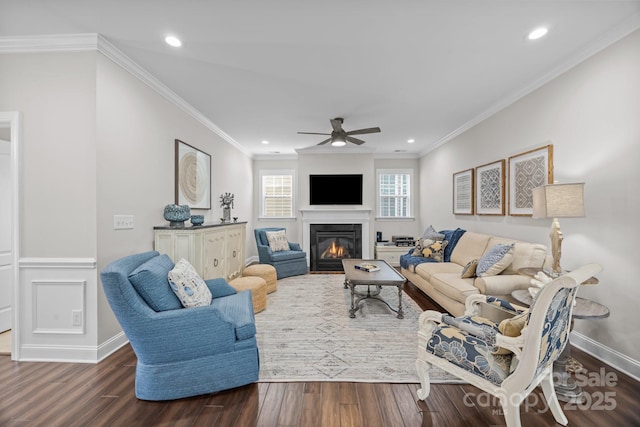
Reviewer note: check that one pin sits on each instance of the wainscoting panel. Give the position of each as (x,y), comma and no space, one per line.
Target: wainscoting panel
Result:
(58,310)
(58,306)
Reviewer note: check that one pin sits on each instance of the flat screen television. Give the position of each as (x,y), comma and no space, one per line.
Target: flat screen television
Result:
(335,189)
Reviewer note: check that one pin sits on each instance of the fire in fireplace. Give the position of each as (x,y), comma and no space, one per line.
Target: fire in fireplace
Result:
(335,250)
(331,243)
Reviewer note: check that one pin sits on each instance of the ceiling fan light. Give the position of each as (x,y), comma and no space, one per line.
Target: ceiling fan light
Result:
(338,141)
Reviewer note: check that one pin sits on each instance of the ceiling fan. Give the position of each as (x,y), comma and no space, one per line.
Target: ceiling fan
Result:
(339,137)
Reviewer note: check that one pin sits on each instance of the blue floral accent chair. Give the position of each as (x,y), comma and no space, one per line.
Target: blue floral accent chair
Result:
(473,349)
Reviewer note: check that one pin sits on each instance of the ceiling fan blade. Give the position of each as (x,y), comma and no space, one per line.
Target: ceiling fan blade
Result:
(363,131)
(355,140)
(337,124)
(325,141)
(313,133)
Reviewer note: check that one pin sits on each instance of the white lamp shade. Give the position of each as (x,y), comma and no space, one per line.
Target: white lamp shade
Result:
(558,201)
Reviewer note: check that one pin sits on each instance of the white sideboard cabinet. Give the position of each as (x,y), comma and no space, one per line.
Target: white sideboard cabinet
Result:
(390,253)
(215,250)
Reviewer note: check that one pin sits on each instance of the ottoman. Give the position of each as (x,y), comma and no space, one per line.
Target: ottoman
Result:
(267,272)
(258,288)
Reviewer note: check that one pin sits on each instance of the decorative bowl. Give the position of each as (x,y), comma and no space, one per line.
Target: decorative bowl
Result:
(177,214)
(197,219)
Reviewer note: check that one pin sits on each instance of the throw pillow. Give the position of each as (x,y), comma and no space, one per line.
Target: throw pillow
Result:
(188,285)
(435,250)
(511,327)
(422,243)
(150,281)
(469,270)
(431,233)
(495,260)
(278,240)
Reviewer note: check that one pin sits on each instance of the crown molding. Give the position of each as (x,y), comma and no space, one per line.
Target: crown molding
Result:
(96,42)
(628,26)
(49,43)
(115,55)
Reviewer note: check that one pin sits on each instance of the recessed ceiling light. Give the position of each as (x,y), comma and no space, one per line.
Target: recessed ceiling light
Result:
(173,41)
(538,33)
(411,141)
(265,142)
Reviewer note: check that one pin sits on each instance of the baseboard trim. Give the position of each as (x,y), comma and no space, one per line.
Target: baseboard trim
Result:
(607,355)
(58,353)
(112,345)
(72,353)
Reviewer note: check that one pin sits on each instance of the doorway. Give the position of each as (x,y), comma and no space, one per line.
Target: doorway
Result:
(9,225)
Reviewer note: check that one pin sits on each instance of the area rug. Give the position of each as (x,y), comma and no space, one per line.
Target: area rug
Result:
(306,334)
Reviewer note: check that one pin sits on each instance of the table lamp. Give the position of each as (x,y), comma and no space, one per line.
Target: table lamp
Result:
(558,201)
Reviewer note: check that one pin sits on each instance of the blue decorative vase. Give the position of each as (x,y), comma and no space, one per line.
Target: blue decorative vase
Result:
(177,214)
(197,219)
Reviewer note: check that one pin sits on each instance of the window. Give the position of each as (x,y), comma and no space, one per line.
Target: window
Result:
(394,193)
(276,190)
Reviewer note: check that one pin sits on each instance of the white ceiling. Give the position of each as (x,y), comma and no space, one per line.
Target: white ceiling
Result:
(263,70)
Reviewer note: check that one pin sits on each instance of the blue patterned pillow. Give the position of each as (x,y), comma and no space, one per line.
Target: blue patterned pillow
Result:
(188,286)
(469,270)
(495,260)
(150,281)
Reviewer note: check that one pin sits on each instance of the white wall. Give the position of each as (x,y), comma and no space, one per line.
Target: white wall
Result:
(340,163)
(290,224)
(96,142)
(137,128)
(408,227)
(591,116)
(56,93)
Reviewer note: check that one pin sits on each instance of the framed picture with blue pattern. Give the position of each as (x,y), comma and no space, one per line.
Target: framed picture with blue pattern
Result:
(490,192)
(527,171)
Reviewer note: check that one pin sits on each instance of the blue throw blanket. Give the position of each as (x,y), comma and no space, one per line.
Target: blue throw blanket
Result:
(451,236)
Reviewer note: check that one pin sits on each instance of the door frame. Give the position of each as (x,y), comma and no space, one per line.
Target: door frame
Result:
(12,120)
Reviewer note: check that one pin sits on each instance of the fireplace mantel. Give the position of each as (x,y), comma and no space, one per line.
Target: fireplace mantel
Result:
(337,216)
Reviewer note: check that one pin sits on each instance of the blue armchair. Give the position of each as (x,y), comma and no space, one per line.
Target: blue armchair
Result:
(181,352)
(287,263)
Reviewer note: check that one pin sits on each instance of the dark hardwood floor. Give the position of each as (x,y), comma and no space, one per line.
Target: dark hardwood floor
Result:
(67,394)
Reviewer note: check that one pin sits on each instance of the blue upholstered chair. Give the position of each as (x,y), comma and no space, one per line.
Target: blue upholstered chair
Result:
(181,352)
(473,348)
(287,263)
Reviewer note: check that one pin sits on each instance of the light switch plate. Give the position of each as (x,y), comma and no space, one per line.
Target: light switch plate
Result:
(122,222)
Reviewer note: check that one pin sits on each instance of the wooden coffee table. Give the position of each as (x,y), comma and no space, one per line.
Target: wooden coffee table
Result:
(386,276)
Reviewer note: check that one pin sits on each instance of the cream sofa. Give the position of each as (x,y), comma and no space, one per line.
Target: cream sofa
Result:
(442,281)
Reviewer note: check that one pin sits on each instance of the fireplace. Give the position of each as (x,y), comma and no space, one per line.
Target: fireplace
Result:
(331,243)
